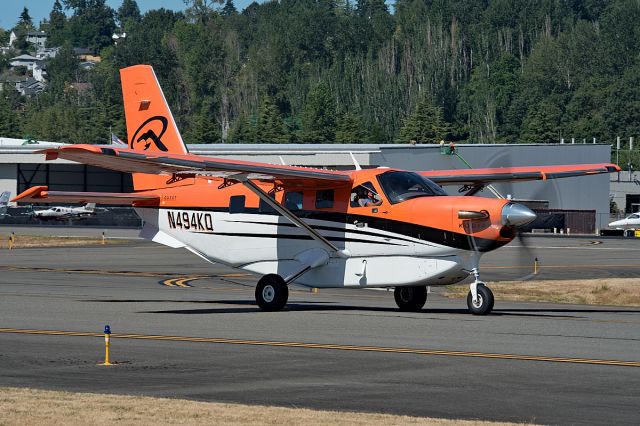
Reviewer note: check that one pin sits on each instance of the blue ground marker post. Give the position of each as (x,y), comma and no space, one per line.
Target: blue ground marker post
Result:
(107,338)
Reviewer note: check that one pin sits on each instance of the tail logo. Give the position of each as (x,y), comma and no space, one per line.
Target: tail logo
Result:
(150,131)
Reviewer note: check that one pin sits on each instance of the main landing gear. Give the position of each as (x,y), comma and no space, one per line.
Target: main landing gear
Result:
(410,299)
(272,293)
(480,298)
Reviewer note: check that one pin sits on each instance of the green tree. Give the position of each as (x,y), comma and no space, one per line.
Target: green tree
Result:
(319,116)
(57,21)
(63,69)
(270,128)
(425,125)
(129,10)
(541,124)
(487,97)
(91,25)
(204,129)
(200,11)
(349,129)
(244,131)
(25,22)
(4,36)
(9,120)
(229,9)
(377,134)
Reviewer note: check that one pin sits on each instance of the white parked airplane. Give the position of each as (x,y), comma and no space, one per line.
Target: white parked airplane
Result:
(632,220)
(63,213)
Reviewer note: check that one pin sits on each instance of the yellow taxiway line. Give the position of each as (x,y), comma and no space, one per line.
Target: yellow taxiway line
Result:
(382,349)
(184,281)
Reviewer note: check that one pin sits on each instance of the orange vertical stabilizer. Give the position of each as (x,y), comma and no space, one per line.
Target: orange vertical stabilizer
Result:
(150,124)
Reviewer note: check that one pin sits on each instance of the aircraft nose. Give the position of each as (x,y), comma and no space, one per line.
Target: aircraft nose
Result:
(514,214)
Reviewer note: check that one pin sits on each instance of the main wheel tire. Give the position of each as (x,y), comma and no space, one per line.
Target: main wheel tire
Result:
(410,299)
(485,301)
(272,293)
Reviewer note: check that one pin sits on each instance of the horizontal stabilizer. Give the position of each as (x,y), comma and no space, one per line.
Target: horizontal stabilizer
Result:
(41,194)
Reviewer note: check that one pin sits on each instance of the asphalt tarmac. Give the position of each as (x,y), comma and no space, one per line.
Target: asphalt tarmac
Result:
(187,329)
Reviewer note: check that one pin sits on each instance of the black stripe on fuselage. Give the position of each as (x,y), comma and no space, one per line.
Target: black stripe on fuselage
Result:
(297,237)
(334,229)
(420,232)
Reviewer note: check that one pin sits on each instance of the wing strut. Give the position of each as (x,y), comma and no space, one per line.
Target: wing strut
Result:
(293,218)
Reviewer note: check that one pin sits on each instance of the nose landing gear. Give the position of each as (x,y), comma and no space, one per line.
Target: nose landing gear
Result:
(480,298)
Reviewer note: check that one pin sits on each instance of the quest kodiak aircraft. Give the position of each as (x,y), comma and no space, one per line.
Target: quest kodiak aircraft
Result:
(318,228)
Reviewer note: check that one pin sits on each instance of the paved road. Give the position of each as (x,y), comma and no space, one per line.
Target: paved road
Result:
(345,350)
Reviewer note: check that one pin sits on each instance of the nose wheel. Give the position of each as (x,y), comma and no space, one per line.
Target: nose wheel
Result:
(480,298)
(483,303)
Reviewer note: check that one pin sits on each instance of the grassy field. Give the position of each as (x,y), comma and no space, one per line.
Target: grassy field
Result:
(33,241)
(604,291)
(38,407)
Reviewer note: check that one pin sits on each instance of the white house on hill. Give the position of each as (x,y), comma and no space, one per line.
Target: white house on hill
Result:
(37,38)
(24,61)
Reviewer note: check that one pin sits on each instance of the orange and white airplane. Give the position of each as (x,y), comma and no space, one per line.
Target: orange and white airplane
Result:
(362,228)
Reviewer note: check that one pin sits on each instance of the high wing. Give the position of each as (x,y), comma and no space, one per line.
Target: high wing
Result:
(160,163)
(41,194)
(477,177)
(130,161)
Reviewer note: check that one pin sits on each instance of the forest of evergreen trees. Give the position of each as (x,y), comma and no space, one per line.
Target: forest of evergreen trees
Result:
(348,71)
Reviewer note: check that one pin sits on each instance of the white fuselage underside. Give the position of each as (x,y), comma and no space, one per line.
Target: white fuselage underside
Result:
(266,243)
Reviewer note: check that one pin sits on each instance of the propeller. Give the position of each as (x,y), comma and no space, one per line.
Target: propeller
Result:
(527,259)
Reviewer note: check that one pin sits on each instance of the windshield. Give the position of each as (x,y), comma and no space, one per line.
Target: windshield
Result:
(403,186)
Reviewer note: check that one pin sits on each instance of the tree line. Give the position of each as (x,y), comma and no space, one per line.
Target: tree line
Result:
(344,71)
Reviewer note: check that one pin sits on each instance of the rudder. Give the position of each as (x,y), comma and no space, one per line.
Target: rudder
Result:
(150,125)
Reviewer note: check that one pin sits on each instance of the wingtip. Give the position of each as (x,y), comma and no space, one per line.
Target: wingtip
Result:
(34,193)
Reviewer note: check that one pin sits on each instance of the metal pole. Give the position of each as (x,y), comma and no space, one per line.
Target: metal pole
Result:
(629,159)
(618,155)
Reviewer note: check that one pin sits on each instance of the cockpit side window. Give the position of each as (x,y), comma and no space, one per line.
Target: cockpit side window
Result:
(403,186)
(365,195)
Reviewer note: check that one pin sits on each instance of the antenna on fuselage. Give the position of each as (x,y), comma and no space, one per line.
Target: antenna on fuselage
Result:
(355,162)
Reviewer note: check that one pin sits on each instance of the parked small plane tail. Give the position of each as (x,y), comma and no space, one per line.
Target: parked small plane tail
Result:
(4,201)
(90,206)
(150,124)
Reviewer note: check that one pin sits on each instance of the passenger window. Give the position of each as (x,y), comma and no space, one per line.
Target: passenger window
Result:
(293,200)
(236,204)
(365,195)
(263,207)
(324,199)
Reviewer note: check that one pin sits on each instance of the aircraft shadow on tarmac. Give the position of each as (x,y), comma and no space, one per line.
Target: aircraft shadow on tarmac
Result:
(249,306)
